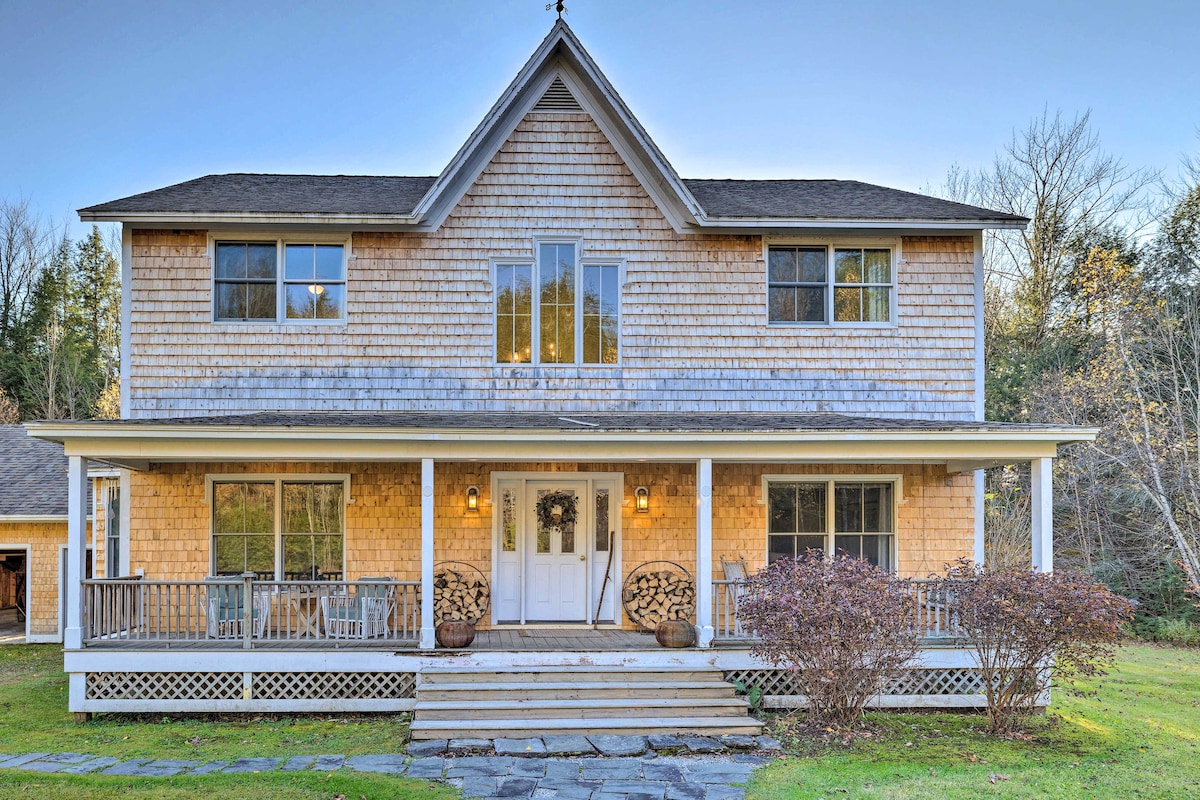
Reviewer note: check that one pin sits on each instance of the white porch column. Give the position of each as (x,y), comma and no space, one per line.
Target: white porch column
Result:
(704,563)
(980,489)
(77,511)
(427,640)
(1041,499)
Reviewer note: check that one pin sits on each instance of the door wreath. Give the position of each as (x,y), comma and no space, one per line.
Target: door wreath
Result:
(556,509)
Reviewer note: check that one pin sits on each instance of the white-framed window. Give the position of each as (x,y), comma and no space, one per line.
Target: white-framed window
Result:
(853,515)
(286,280)
(831,283)
(559,308)
(286,527)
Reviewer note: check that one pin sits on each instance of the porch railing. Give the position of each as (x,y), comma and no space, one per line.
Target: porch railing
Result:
(936,614)
(245,612)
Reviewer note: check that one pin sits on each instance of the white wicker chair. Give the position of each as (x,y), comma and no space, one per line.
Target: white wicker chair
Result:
(362,615)
(222,605)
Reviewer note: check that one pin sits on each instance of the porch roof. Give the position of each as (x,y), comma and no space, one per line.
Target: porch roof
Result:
(558,436)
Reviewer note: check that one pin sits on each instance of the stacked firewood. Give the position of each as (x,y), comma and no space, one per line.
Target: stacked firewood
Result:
(459,595)
(655,596)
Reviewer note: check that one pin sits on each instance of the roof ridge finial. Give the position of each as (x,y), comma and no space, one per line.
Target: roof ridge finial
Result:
(560,7)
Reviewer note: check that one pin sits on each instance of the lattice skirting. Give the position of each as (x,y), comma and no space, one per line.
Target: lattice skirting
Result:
(936,687)
(243,686)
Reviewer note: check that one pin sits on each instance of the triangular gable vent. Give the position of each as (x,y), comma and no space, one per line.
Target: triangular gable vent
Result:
(558,98)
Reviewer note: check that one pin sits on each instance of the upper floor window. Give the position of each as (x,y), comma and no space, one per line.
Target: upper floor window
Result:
(249,285)
(843,517)
(558,310)
(803,288)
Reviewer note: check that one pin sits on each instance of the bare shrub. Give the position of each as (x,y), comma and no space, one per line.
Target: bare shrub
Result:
(1028,628)
(843,627)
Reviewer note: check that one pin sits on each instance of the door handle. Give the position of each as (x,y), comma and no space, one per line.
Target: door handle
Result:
(583,556)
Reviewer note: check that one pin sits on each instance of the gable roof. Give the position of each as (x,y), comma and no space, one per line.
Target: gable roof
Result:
(358,195)
(560,69)
(278,194)
(33,475)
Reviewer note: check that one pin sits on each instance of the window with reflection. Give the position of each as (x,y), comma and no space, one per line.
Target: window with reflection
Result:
(279,529)
(849,517)
(249,284)
(560,309)
(818,284)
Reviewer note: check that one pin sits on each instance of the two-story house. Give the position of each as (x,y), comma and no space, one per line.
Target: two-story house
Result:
(533,390)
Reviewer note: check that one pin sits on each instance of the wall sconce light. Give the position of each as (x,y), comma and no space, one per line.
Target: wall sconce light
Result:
(641,499)
(472,498)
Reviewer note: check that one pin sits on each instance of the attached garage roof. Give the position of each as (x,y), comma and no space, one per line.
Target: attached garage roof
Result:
(33,475)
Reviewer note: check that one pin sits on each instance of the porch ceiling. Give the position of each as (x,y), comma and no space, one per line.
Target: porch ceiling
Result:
(553,436)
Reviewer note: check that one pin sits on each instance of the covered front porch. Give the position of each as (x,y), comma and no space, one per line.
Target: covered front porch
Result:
(285,540)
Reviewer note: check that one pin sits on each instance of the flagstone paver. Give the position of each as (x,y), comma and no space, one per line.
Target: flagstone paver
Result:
(562,767)
(329,763)
(297,763)
(91,765)
(247,765)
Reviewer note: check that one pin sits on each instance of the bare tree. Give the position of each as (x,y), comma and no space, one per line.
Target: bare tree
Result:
(26,244)
(1055,173)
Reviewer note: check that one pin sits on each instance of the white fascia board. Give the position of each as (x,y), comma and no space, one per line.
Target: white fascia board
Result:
(206,218)
(33,518)
(767,224)
(143,444)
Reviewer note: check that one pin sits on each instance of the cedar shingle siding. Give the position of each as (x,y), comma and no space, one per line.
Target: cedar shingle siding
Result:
(419,330)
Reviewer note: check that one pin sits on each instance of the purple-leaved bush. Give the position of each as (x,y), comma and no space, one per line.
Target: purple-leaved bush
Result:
(845,628)
(1028,628)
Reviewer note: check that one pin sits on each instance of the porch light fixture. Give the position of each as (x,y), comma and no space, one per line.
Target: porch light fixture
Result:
(472,498)
(641,499)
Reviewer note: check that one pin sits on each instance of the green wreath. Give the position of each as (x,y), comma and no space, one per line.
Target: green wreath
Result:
(564,501)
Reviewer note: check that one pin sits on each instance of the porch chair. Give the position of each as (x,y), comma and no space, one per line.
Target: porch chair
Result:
(223,607)
(735,570)
(366,613)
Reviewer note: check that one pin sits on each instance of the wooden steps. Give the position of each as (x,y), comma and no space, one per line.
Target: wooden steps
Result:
(540,701)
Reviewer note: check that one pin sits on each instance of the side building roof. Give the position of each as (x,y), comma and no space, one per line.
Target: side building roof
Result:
(33,475)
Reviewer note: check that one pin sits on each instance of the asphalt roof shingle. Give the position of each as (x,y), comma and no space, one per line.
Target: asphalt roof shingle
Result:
(396,195)
(282,194)
(828,199)
(33,475)
(653,422)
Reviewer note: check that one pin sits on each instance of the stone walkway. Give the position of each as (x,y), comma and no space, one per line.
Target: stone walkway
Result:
(574,767)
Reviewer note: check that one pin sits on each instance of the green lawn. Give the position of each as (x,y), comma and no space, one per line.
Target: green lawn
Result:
(34,717)
(1132,734)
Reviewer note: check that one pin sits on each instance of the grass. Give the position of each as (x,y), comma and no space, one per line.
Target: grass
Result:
(1134,733)
(34,718)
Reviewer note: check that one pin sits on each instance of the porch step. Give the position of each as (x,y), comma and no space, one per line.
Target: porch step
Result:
(575,690)
(522,728)
(588,708)
(560,674)
(538,701)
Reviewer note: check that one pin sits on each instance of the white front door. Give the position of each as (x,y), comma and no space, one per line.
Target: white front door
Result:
(556,551)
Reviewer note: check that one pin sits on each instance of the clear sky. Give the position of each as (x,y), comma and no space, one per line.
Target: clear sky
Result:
(99,100)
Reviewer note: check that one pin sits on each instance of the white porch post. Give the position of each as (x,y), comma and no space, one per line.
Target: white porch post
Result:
(77,511)
(427,640)
(1041,499)
(704,567)
(980,489)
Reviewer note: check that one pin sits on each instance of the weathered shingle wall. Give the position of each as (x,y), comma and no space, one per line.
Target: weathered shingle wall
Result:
(419,333)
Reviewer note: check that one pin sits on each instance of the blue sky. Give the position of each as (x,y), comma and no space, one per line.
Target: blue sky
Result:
(103,99)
